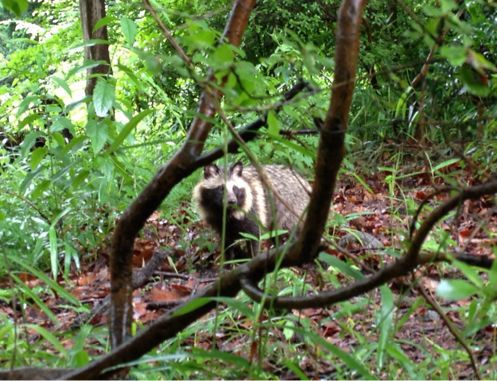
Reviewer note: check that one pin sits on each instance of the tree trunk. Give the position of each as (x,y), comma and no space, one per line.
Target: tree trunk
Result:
(91,12)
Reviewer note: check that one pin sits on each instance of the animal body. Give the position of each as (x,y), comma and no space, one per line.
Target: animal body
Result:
(248,204)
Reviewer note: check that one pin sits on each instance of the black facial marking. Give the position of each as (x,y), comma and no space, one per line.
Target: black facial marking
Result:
(240,195)
(212,198)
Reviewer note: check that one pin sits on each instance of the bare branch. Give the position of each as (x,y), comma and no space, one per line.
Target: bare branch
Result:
(452,328)
(412,225)
(249,132)
(28,373)
(180,166)
(168,34)
(331,144)
(401,267)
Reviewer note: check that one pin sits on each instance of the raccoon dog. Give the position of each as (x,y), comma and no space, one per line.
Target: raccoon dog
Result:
(250,207)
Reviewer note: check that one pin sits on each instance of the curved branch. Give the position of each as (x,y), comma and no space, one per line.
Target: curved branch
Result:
(412,225)
(180,166)
(401,267)
(452,328)
(168,34)
(32,373)
(252,290)
(249,132)
(331,144)
(177,319)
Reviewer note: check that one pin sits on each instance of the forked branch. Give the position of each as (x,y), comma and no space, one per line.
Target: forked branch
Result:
(180,166)
(400,267)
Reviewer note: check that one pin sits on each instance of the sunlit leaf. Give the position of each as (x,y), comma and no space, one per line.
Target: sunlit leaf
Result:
(273,124)
(456,289)
(16,6)
(128,128)
(37,156)
(62,83)
(456,55)
(129,29)
(385,323)
(103,97)
(98,134)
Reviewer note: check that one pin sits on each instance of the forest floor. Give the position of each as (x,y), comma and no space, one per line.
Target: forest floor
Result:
(376,208)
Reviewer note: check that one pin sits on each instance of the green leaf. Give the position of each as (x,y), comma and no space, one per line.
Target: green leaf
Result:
(62,123)
(343,267)
(398,354)
(456,55)
(199,35)
(31,294)
(130,74)
(192,305)
(224,356)
(474,81)
(129,29)
(50,282)
(54,260)
(448,5)
(29,141)
(104,21)
(492,277)
(87,64)
(295,368)
(456,289)
(349,359)
(273,124)
(98,134)
(385,323)
(103,97)
(28,120)
(479,62)
(40,188)
(62,83)
(242,307)
(401,107)
(470,272)
(272,234)
(16,6)
(75,144)
(37,156)
(80,358)
(293,146)
(48,336)
(248,76)
(91,42)
(128,128)
(222,56)
(79,178)
(23,106)
(446,163)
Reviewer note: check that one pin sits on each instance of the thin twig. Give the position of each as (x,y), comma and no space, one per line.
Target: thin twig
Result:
(168,34)
(452,328)
(412,226)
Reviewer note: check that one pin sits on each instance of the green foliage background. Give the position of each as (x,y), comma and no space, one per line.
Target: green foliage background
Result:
(59,197)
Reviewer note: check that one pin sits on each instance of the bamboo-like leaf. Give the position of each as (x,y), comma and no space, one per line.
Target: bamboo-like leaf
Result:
(128,128)
(385,323)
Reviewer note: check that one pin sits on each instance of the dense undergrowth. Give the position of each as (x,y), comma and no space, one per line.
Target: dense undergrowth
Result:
(70,164)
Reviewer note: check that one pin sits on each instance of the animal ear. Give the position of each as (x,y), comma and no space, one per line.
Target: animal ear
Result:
(236,169)
(211,170)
